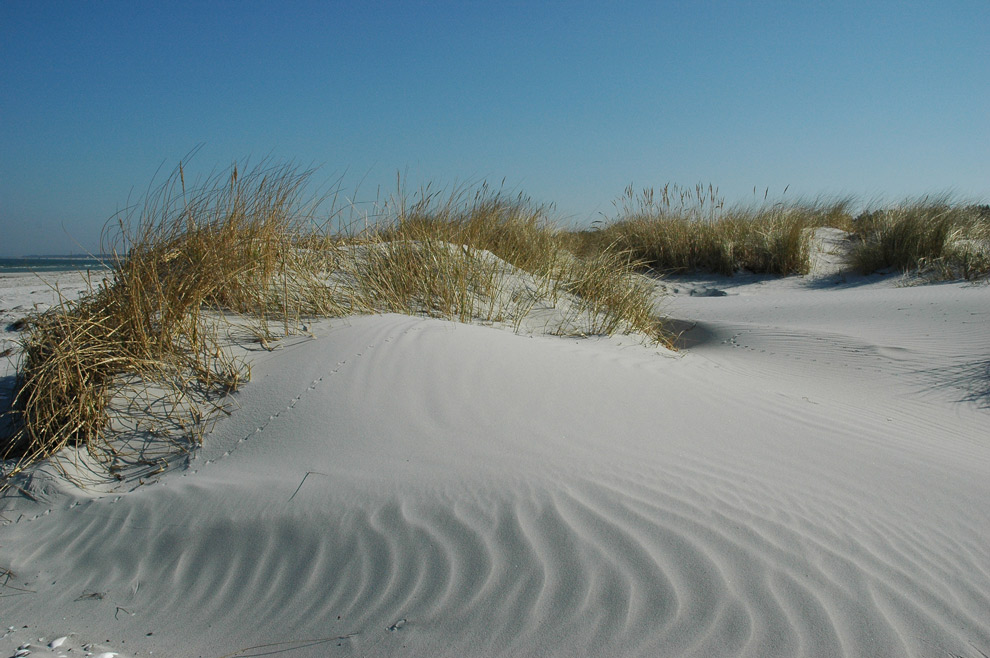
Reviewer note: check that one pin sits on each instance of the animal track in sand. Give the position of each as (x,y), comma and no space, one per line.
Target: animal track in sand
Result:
(314,384)
(113,497)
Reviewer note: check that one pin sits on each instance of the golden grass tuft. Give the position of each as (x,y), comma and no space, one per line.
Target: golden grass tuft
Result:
(494,258)
(932,235)
(150,329)
(676,229)
(513,228)
(613,297)
(430,276)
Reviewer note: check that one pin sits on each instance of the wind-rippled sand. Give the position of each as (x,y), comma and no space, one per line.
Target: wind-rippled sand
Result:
(809,477)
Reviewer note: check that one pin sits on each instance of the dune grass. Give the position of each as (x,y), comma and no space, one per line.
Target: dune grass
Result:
(495,258)
(452,255)
(612,296)
(677,229)
(513,228)
(149,331)
(932,235)
(145,349)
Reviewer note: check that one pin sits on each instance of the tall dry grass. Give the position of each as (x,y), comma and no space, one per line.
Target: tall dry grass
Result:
(491,257)
(514,228)
(932,235)
(450,254)
(677,229)
(613,297)
(145,352)
(150,330)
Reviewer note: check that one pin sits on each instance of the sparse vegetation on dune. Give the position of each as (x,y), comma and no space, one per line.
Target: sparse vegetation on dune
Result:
(677,229)
(932,235)
(227,246)
(249,244)
(515,229)
(452,255)
(495,258)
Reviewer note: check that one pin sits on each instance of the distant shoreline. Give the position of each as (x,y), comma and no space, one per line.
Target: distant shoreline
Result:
(61,257)
(52,263)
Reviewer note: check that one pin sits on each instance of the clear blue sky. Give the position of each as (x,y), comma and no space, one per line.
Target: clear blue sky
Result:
(569,102)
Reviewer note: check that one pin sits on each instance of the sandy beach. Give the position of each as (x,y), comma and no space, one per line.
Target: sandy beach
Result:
(494,329)
(806,476)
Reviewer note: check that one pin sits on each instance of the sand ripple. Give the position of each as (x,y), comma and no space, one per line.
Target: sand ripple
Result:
(403,486)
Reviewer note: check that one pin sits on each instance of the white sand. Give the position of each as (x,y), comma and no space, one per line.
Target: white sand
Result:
(811,477)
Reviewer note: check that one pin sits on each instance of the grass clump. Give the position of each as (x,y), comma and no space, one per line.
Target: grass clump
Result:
(512,228)
(150,331)
(495,258)
(453,256)
(430,276)
(613,297)
(931,235)
(679,230)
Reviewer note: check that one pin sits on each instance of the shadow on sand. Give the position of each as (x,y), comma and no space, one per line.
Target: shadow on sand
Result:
(972,380)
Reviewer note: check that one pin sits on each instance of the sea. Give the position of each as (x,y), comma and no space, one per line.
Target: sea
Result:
(51,264)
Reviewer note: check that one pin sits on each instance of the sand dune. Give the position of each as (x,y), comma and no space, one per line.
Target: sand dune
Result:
(808,478)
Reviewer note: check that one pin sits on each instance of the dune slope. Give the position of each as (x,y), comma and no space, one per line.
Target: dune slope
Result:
(809,477)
